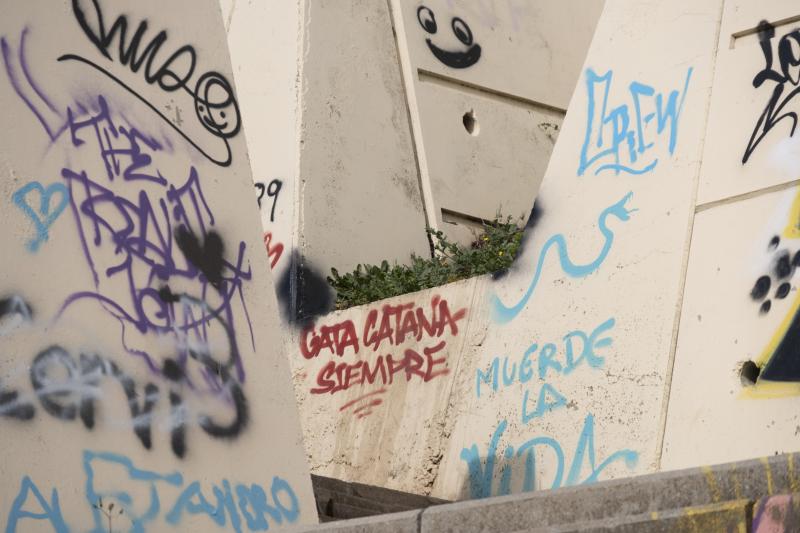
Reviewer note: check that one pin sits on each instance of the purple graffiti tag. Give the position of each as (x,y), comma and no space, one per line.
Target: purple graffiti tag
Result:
(149,238)
(55,125)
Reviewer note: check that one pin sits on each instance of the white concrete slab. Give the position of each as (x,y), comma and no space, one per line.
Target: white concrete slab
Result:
(602,268)
(740,304)
(748,145)
(142,385)
(531,50)
(478,145)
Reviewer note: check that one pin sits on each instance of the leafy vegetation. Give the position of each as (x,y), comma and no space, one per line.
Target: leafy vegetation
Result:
(492,251)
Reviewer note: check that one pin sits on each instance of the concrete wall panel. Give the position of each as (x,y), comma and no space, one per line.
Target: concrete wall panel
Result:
(737,322)
(478,144)
(601,269)
(375,383)
(750,144)
(562,379)
(491,44)
(739,306)
(264,40)
(142,384)
(509,66)
(356,141)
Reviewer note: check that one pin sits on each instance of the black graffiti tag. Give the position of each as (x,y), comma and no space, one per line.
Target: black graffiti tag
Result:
(451,58)
(272,191)
(786,80)
(70,389)
(214,101)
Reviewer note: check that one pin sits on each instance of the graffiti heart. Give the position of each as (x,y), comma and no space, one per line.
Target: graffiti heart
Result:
(53,199)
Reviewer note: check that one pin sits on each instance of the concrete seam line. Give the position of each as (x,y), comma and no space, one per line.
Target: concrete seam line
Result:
(426,76)
(407,72)
(676,321)
(747,195)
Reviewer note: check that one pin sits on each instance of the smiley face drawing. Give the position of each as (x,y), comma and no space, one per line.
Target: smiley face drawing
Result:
(461,30)
(216,106)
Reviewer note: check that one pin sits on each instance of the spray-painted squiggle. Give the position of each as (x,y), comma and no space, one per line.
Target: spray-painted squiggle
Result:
(503,314)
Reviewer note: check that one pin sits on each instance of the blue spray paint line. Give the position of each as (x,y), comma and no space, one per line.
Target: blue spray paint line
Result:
(223,509)
(134,473)
(626,125)
(50,510)
(46,214)
(503,314)
(481,477)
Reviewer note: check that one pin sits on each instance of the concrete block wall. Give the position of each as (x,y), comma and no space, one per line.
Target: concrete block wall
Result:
(143,386)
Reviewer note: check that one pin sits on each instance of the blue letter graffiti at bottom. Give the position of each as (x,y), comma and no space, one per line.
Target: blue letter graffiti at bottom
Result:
(480,478)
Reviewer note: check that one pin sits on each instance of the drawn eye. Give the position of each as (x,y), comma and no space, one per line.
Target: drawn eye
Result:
(462,31)
(426,19)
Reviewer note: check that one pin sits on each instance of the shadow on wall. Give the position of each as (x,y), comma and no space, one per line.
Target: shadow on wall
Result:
(533,220)
(303,292)
(499,475)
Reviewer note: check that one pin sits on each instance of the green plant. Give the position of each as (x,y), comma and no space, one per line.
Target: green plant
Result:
(493,250)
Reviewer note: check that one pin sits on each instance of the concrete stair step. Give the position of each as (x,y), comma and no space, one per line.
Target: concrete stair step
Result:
(642,495)
(726,517)
(759,495)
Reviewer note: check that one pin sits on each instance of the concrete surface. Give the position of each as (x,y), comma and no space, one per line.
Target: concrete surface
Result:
(264,41)
(756,494)
(731,517)
(142,382)
(549,38)
(560,368)
(737,106)
(360,199)
(730,252)
(358,370)
(488,84)
(356,138)
(745,227)
(672,106)
(614,347)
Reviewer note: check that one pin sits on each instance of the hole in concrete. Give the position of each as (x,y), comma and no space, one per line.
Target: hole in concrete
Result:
(471,123)
(749,373)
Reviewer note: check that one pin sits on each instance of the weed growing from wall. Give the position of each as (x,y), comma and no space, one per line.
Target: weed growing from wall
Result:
(492,251)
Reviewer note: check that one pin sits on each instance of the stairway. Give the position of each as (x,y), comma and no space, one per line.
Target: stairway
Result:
(759,496)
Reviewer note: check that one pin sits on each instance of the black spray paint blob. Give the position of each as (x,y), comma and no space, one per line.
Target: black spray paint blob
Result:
(453,59)
(303,292)
(207,257)
(782,268)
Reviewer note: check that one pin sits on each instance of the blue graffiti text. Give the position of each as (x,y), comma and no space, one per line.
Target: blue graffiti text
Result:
(619,139)
(483,475)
